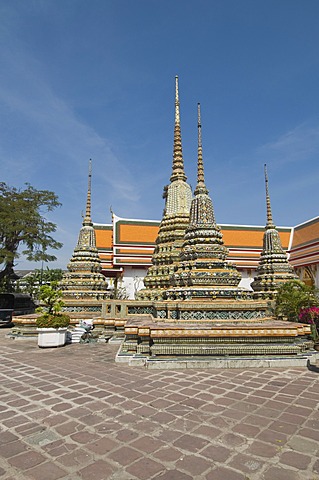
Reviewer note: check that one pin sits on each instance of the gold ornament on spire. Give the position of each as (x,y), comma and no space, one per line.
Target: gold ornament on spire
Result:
(178,162)
(87,219)
(203,270)
(178,198)
(200,187)
(270,223)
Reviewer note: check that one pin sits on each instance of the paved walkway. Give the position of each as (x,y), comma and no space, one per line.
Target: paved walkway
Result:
(72,413)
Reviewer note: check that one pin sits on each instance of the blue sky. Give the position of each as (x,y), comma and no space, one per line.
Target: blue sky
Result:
(94,79)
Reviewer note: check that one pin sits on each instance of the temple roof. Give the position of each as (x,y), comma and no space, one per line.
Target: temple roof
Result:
(305,243)
(132,242)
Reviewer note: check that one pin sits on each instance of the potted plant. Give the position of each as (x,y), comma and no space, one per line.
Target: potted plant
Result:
(52,324)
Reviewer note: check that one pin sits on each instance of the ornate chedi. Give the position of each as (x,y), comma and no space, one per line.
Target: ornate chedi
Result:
(84,287)
(203,271)
(84,280)
(274,268)
(205,315)
(178,197)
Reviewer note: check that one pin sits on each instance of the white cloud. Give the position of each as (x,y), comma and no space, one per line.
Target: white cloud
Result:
(297,145)
(45,143)
(42,128)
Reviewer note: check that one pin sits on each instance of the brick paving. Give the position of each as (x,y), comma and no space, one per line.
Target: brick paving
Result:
(72,413)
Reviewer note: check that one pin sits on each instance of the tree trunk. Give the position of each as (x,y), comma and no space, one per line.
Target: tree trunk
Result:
(7,275)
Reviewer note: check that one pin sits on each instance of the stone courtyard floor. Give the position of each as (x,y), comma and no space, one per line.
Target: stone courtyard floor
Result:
(72,413)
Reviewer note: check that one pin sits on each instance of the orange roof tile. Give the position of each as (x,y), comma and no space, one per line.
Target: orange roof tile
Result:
(306,233)
(250,237)
(134,251)
(244,242)
(141,234)
(104,237)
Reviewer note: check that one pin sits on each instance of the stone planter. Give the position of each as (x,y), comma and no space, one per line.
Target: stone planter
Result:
(51,337)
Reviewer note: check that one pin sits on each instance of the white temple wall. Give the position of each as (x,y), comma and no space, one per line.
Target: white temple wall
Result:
(132,280)
(247,276)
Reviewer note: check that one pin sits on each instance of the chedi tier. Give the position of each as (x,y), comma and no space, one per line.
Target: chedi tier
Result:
(192,306)
(274,268)
(202,270)
(84,280)
(178,197)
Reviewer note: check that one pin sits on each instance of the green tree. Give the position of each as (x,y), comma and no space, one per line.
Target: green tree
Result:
(51,306)
(51,299)
(32,282)
(294,296)
(22,224)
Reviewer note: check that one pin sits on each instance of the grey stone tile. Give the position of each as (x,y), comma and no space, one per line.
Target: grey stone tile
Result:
(74,414)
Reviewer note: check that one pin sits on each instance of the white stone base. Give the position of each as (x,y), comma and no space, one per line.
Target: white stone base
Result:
(218,362)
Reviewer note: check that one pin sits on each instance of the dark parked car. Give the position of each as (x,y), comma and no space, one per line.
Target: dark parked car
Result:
(12,304)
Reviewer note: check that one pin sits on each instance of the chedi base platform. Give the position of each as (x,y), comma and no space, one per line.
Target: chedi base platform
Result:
(155,343)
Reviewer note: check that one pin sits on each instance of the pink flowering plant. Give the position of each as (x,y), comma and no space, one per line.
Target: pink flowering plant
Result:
(310,316)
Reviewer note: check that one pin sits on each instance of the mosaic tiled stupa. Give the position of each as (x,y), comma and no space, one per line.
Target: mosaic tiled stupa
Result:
(274,268)
(202,270)
(178,197)
(84,280)
(204,314)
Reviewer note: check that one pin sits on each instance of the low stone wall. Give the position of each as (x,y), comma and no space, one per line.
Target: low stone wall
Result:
(25,325)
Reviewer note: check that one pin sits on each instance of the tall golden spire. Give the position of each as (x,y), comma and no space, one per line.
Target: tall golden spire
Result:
(200,187)
(178,162)
(270,223)
(87,219)
(203,270)
(178,198)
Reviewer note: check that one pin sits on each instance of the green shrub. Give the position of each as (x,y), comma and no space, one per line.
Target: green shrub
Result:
(48,320)
(51,298)
(294,296)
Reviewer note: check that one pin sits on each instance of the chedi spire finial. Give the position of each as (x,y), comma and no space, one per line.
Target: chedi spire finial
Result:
(200,187)
(87,219)
(178,162)
(270,223)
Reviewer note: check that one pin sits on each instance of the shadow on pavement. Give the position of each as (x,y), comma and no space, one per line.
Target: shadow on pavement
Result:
(312,368)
